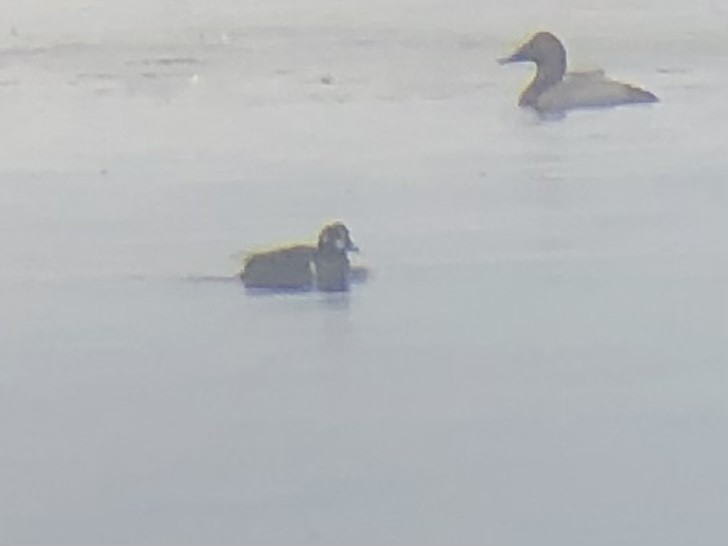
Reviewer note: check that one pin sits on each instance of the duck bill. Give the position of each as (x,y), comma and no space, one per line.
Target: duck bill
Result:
(346,245)
(517,57)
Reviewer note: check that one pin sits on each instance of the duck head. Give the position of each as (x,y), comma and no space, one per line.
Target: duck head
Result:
(543,48)
(335,239)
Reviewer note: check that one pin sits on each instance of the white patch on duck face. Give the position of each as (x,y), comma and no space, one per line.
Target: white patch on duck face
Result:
(340,244)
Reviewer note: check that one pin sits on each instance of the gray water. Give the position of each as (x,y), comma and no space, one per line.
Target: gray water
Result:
(539,354)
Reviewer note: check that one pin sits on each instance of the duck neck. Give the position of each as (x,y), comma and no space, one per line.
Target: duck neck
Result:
(547,75)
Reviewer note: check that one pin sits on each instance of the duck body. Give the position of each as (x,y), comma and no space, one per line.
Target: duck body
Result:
(285,268)
(579,90)
(554,90)
(324,266)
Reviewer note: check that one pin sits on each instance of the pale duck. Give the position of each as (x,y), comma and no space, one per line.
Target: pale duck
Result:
(554,90)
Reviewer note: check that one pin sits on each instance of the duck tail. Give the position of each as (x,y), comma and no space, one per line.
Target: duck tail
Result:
(640,95)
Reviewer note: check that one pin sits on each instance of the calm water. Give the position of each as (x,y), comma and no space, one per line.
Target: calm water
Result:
(539,354)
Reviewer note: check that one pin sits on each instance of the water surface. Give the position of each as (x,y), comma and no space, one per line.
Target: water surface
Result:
(538,356)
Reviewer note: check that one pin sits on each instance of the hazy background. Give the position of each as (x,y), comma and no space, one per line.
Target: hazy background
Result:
(538,357)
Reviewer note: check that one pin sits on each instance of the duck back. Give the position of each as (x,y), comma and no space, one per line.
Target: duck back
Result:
(590,90)
(283,268)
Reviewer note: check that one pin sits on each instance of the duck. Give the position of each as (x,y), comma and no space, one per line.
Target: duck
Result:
(324,266)
(553,90)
